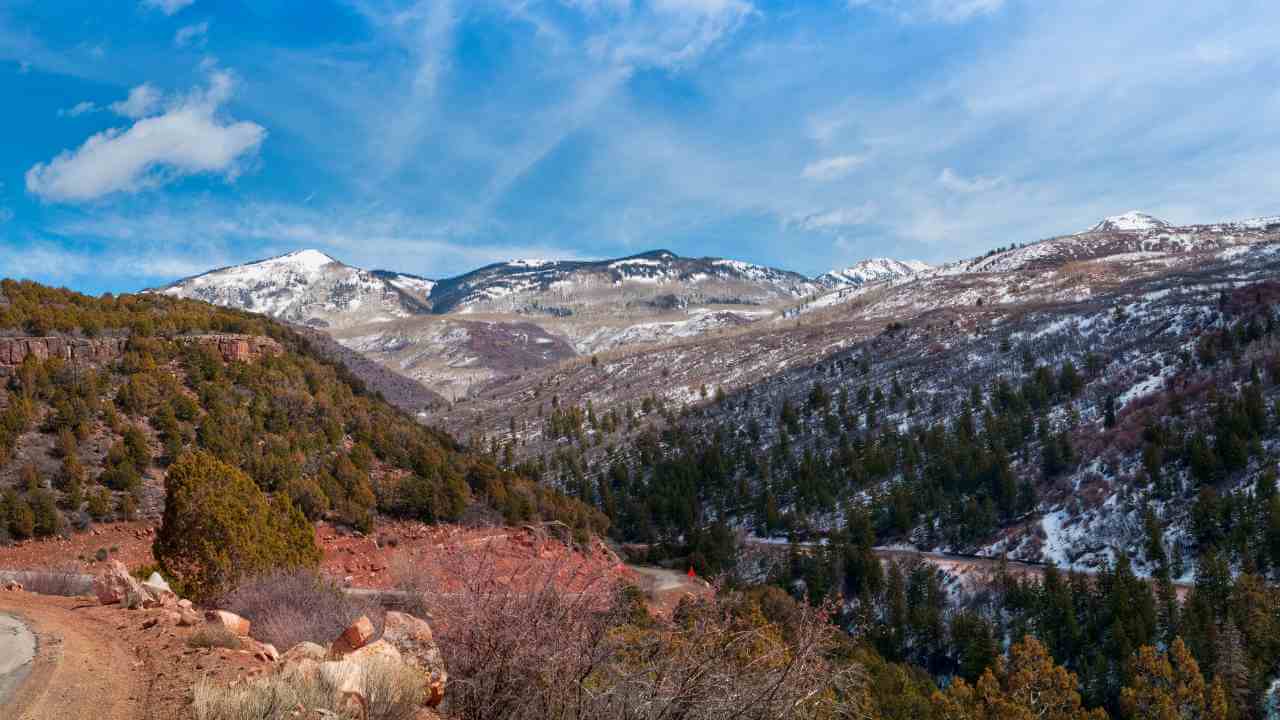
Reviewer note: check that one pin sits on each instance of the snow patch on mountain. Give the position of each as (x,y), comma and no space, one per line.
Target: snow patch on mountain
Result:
(872,270)
(1132,221)
(308,287)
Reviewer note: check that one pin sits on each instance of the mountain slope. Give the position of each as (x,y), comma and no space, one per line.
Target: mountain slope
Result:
(308,287)
(658,279)
(862,401)
(102,395)
(506,318)
(872,270)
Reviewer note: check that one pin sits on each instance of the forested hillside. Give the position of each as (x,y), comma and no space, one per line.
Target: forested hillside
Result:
(102,394)
(1133,413)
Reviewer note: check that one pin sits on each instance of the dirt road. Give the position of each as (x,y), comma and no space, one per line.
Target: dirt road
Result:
(17,650)
(80,670)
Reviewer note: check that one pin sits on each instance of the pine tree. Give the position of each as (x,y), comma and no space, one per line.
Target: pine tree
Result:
(1231,666)
(218,527)
(1164,686)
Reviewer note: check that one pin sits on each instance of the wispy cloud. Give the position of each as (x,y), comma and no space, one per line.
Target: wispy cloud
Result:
(175,240)
(80,108)
(955,182)
(192,35)
(168,7)
(838,218)
(950,11)
(833,168)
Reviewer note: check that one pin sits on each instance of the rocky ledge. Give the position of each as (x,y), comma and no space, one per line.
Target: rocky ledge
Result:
(13,350)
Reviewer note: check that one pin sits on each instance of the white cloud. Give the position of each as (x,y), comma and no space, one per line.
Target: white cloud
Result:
(948,11)
(833,168)
(143,100)
(838,218)
(80,108)
(168,7)
(955,182)
(188,138)
(192,34)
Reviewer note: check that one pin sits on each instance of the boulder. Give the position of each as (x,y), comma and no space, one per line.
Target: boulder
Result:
(263,652)
(116,585)
(304,651)
(344,676)
(12,586)
(413,638)
(353,638)
(188,617)
(229,620)
(379,651)
(158,582)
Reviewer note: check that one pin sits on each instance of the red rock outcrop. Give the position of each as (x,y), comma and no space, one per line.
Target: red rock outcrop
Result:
(236,348)
(14,350)
(233,348)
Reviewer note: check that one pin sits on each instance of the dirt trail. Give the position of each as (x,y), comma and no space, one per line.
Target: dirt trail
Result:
(17,649)
(667,587)
(81,668)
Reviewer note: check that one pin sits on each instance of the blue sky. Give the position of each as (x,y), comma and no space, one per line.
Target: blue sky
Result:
(151,139)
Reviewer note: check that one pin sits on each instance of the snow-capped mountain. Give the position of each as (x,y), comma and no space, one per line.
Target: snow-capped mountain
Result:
(1132,221)
(658,277)
(1121,239)
(309,287)
(872,270)
(520,317)
(507,317)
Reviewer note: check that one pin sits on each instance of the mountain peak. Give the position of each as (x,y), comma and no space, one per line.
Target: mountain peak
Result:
(309,286)
(1132,221)
(872,270)
(308,257)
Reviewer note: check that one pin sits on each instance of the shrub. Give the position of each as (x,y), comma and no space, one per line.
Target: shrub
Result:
(22,521)
(218,527)
(100,504)
(289,606)
(44,509)
(211,636)
(526,646)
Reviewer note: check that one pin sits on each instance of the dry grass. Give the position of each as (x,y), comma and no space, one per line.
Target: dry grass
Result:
(286,608)
(392,692)
(211,636)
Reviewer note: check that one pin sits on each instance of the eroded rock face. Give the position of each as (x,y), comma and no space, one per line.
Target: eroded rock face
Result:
(14,350)
(232,347)
(236,348)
